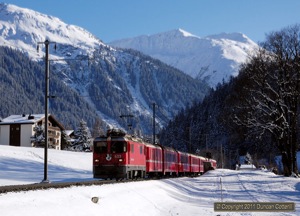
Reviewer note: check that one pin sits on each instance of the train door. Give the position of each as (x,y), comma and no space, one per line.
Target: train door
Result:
(131,153)
(155,156)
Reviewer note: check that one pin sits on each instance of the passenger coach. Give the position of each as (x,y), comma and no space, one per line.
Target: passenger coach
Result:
(154,160)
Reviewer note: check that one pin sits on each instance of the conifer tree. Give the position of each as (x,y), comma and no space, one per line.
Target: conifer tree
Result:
(65,142)
(38,139)
(82,138)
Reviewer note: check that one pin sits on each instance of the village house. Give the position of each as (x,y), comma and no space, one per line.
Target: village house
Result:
(17,130)
(70,135)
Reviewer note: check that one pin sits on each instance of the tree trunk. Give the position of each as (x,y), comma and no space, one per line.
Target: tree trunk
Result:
(294,159)
(286,162)
(294,140)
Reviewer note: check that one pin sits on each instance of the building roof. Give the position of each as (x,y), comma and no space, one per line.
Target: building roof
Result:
(28,119)
(69,132)
(23,119)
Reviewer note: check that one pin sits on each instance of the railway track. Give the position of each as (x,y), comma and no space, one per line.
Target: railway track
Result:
(56,185)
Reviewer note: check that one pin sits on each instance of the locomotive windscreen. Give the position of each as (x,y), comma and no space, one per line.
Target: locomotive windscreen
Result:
(100,147)
(118,147)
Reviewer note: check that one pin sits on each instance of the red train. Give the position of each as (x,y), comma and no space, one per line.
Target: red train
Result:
(119,156)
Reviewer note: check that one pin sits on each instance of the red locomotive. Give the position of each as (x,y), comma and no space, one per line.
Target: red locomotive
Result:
(119,156)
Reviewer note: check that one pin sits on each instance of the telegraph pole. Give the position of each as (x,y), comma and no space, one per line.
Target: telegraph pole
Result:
(47,96)
(153,123)
(46,43)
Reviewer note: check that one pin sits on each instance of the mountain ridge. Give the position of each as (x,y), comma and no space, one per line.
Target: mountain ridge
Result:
(112,81)
(213,58)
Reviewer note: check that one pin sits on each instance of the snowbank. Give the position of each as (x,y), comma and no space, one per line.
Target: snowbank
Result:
(177,196)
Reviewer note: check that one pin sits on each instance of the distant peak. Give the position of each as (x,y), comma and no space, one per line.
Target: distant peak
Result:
(178,33)
(186,34)
(25,28)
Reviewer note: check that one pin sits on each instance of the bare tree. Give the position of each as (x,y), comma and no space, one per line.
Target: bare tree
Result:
(270,96)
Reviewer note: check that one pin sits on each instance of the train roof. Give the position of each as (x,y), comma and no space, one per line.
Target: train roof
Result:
(181,152)
(168,148)
(153,145)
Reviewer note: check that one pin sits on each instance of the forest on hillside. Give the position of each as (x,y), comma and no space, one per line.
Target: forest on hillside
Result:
(113,84)
(22,91)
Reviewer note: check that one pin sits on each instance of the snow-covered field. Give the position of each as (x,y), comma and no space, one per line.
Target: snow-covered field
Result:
(178,196)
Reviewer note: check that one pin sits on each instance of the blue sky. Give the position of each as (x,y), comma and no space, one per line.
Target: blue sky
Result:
(116,19)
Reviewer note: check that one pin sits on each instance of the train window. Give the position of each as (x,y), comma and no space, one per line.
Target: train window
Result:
(100,147)
(118,147)
(132,148)
(170,157)
(141,149)
(184,159)
(159,154)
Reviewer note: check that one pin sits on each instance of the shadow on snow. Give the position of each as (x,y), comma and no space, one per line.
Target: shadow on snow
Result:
(33,171)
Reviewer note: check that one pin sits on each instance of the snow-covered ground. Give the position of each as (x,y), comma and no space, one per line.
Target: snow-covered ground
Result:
(178,196)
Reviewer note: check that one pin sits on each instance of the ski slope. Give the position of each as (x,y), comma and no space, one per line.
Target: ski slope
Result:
(178,196)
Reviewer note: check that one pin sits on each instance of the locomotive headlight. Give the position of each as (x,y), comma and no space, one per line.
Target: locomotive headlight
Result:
(96,160)
(120,159)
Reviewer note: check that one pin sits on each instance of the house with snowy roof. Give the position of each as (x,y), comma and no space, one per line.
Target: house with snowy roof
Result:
(17,130)
(70,136)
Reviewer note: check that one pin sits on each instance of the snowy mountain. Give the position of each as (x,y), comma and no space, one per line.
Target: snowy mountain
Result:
(23,29)
(113,82)
(212,59)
